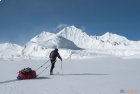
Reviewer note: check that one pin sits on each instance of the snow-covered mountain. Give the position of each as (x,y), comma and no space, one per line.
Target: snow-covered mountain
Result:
(119,42)
(80,38)
(50,40)
(72,42)
(8,50)
(106,41)
(42,44)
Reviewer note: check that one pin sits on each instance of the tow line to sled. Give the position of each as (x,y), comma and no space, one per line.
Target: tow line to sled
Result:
(28,73)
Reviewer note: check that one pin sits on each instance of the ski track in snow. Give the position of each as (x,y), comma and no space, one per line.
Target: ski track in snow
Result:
(100,75)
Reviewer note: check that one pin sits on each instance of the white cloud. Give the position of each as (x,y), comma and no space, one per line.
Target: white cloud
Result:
(83,28)
(60,26)
(0,0)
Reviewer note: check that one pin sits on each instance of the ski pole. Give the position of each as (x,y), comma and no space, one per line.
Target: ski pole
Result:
(61,67)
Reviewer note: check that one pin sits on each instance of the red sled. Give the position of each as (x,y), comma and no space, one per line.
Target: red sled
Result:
(26,73)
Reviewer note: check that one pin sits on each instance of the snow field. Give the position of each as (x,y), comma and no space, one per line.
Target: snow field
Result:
(97,75)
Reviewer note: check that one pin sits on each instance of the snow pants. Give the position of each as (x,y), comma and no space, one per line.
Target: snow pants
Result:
(52,66)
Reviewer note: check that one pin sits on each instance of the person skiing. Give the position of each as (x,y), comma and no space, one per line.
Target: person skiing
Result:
(53,55)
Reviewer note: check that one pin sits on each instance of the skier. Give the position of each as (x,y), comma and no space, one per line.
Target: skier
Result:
(53,55)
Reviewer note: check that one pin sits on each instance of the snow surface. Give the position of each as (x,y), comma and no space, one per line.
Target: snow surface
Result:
(97,75)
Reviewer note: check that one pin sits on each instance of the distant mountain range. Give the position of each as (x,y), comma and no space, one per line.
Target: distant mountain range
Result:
(72,39)
(106,41)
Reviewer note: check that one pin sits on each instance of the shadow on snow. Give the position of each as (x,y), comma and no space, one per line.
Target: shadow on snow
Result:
(78,74)
(38,78)
(15,80)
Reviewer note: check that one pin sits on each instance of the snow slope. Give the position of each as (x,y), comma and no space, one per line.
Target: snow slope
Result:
(80,38)
(99,75)
(8,51)
(42,44)
(120,42)
(50,40)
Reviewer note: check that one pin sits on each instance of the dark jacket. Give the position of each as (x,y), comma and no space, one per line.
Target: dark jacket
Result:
(54,54)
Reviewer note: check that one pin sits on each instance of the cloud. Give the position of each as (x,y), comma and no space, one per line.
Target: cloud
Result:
(83,28)
(0,0)
(60,26)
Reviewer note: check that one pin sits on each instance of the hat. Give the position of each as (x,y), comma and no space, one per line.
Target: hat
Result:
(56,49)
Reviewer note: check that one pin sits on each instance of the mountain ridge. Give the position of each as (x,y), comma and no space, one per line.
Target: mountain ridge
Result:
(106,41)
(72,41)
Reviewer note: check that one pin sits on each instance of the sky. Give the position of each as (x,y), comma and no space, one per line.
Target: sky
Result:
(21,20)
